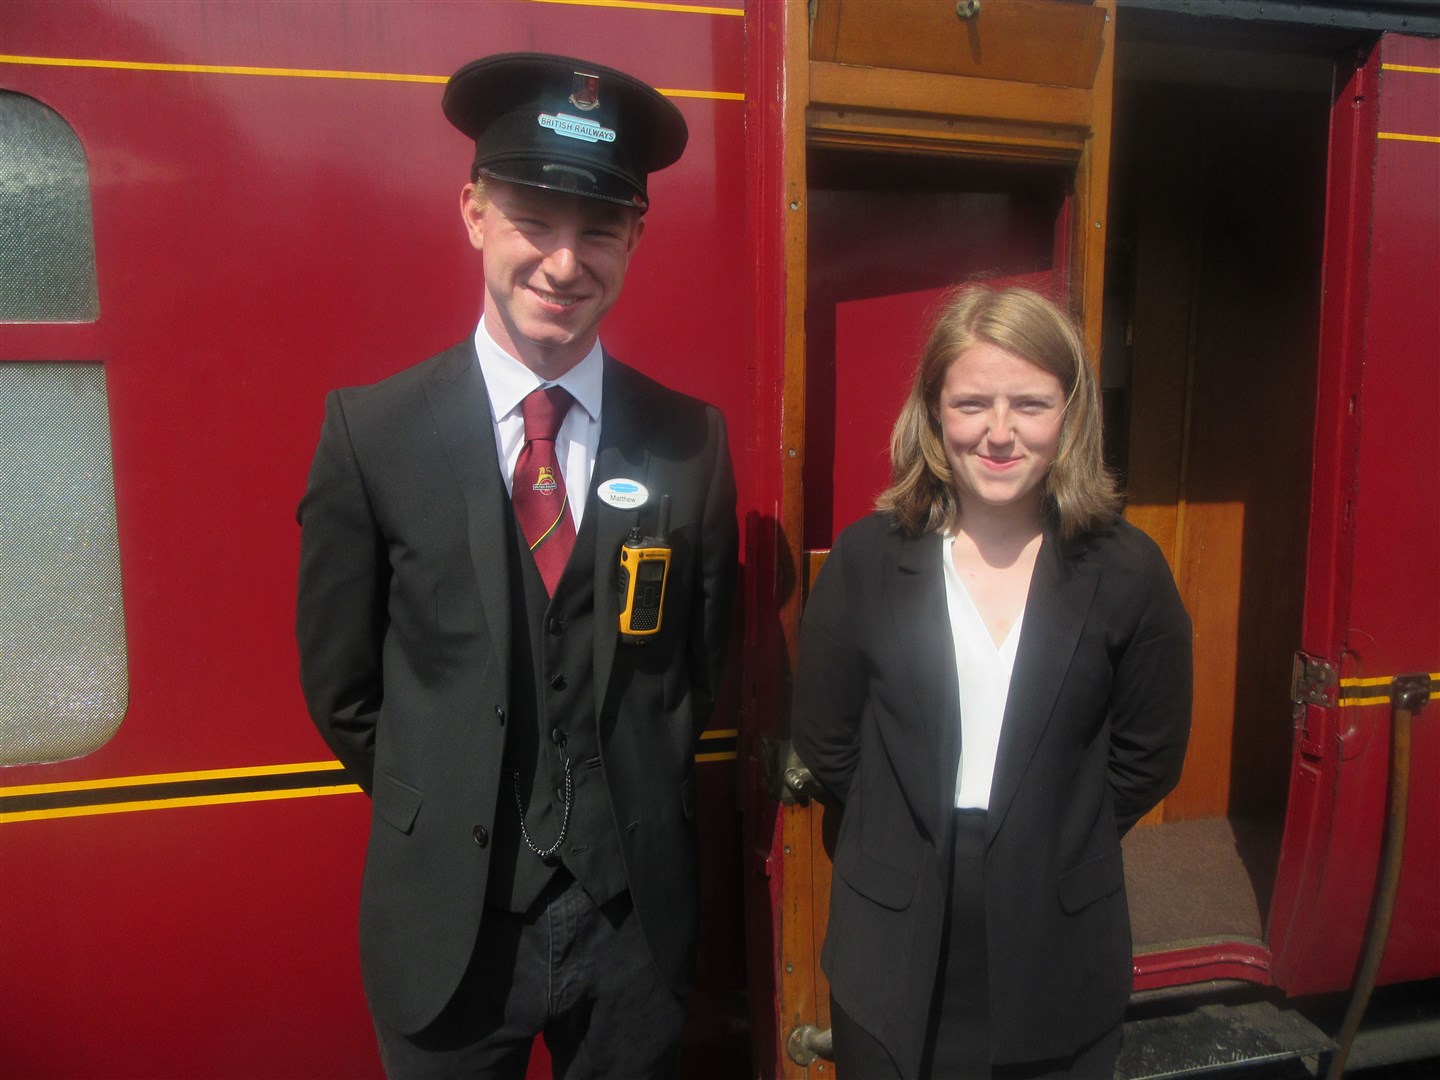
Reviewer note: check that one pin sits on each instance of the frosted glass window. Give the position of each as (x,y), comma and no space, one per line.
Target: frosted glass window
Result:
(63,683)
(47,244)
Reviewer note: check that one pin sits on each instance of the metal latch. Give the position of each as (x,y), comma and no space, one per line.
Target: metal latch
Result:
(1313,681)
(788,778)
(807,1042)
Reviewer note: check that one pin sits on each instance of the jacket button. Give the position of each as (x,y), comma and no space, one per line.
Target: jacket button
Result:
(558,737)
(481,836)
(555,625)
(557,682)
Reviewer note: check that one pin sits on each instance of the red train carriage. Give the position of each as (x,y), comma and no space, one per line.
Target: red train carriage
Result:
(211,213)
(273,193)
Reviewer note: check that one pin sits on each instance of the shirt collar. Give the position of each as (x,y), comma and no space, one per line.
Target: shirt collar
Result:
(507,380)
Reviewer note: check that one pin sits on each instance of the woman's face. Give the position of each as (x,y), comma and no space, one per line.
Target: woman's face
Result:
(1000,416)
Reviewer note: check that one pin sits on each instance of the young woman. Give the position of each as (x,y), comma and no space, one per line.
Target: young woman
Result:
(994,679)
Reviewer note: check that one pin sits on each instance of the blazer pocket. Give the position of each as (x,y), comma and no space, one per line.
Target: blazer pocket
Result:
(889,886)
(397,803)
(1091,880)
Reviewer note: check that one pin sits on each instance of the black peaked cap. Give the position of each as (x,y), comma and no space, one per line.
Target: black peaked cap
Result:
(565,124)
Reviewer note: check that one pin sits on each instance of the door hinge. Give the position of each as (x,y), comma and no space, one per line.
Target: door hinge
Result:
(1313,681)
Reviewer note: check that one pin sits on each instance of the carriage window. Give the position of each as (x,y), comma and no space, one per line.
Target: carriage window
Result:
(63,684)
(63,680)
(47,247)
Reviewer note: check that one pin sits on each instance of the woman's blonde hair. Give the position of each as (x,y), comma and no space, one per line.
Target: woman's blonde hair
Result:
(1079,493)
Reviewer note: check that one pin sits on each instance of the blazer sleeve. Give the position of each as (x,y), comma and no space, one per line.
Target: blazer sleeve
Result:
(829,681)
(708,636)
(1151,696)
(341,611)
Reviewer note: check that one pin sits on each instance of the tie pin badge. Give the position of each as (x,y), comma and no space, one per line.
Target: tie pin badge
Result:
(545,480)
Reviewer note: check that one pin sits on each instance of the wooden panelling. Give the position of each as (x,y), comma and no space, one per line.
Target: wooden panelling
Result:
(1222,408)
(898,90)
(1037,41)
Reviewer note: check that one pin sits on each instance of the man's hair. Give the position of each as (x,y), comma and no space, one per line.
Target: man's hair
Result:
(479,194)
(1079,493)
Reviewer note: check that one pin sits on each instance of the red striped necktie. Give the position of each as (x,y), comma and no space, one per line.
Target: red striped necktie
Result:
(538,487)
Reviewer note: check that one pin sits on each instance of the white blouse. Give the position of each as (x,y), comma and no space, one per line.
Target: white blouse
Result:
(983,672)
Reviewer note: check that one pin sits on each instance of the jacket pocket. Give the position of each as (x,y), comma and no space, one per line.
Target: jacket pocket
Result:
(887,885)
(1091,880)
(395,802)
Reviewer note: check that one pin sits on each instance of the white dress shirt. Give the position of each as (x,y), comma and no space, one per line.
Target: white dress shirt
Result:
(508,381)
(983,672)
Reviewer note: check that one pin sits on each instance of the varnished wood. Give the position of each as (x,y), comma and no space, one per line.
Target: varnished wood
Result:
(1026,41)
(924,92)
(904,110)
(981,140)
(1092,191)
(802,991)
(814,560)
(1221,412)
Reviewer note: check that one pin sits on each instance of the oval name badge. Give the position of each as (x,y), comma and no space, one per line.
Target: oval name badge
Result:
(623,494)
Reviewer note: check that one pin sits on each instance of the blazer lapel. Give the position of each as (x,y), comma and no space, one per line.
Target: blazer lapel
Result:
(621,454)
(920,621)
(461,408)
(1061,591)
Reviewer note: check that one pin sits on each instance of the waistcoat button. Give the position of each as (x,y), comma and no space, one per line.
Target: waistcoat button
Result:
(481,836)
(557,682)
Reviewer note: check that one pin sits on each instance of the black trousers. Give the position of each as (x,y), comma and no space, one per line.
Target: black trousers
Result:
(957,1043)
(578,973)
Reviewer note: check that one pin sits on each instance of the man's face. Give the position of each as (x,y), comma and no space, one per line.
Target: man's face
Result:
(554,265)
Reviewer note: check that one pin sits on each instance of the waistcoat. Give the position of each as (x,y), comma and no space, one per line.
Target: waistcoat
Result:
(552,710)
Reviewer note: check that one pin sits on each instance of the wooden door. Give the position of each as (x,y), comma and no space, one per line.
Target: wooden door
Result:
(937,145)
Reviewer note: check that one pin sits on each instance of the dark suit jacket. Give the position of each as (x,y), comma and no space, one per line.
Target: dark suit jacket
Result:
(1094,735)
(404,634)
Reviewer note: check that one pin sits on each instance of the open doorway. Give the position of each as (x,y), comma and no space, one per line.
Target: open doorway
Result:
(1212,317)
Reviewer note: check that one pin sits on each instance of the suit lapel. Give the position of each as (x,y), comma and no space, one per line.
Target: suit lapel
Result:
(1061,590)
(621,453)
(920,621)
(461,407)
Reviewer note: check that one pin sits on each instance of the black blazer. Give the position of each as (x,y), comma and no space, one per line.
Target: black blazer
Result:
(1094,735)
(404,633)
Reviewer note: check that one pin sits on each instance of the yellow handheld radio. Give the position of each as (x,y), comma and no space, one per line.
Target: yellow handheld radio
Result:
(644,570)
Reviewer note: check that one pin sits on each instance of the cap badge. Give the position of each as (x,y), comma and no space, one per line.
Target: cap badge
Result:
(585,91)
(575,127)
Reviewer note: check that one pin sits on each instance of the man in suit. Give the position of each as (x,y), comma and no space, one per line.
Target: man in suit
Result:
(532,861)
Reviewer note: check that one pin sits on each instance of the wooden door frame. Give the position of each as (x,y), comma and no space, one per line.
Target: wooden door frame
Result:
(830,104)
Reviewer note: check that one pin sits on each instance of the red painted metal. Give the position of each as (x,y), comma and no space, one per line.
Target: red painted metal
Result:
(1246,961)
(1373,602)
(1394,616)
(1309,813)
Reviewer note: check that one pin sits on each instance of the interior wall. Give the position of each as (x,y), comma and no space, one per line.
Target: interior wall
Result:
(890,234)
(1220,200)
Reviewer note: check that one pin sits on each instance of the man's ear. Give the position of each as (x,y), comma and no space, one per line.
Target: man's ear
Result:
(636,231)
(472,212)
